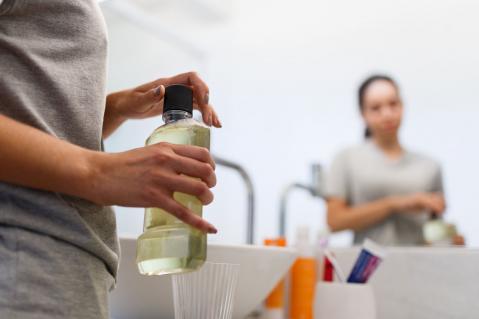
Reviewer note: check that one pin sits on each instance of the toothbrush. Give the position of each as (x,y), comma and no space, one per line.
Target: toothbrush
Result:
(337,269)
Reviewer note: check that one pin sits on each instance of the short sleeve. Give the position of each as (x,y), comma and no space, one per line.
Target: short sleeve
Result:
(337,178)
(437,183)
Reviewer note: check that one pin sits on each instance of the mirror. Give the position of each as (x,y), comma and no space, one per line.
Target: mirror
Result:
(284,78)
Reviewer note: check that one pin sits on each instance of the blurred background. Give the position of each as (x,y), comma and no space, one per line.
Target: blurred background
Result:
(283,77)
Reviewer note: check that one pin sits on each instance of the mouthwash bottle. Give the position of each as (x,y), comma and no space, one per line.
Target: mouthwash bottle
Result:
(168,245)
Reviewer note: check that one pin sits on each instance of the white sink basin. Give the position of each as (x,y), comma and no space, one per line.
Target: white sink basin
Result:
(144,297)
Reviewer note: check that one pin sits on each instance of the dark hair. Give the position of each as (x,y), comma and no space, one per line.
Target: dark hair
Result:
(362,90)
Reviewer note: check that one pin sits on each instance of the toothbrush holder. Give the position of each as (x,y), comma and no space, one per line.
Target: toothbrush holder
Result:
(344,301)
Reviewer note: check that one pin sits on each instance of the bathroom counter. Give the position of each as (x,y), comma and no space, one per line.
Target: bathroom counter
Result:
(423,283)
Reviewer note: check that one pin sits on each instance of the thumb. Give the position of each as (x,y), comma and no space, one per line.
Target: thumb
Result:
(146,100)
(155,95)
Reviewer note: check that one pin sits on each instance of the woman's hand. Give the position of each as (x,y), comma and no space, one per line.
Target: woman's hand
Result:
(148,177)
(420,202)
(146,101)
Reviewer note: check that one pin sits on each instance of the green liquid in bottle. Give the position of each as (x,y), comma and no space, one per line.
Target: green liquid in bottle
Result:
(168,245)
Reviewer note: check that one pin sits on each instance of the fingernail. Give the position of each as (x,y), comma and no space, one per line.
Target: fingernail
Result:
(208,120)
(212,229)
(158,90)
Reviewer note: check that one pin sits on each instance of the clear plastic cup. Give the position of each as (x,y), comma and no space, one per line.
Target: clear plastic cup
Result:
(207,293)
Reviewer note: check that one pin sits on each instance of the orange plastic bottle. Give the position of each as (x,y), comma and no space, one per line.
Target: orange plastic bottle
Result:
(274,304)
(303,278)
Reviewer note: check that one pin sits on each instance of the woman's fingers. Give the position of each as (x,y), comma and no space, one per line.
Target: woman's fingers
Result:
(437,203)
(438,206)
(196,152)
(145,104)
(192,79)
(434,203)
(458,240)
(207,114)
(210,117)
(192,161)
(201,94)
(185,215)
(191,186)
(194,168)
(216,120)
(147,177)
(420,202)
(200,89)
(149,97)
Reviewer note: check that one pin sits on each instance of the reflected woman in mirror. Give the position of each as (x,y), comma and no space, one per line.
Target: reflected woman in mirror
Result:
(380,189)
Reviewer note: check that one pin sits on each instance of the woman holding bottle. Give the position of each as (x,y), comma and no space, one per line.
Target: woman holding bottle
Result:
(380,189)
(58,244)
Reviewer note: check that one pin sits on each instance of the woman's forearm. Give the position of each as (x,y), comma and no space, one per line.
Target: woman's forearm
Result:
(112,118)
(32,158)
(342,217)
(143,177)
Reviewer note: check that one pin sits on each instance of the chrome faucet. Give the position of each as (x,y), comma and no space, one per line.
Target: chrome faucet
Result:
(250,190)
(315,189)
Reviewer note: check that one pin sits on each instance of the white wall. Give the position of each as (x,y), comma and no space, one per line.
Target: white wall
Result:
(283,76)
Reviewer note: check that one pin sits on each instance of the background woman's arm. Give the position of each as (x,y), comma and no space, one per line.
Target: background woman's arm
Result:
(341,216)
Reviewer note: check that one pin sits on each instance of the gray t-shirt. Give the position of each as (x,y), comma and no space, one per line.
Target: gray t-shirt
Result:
(52,77)
(364,174)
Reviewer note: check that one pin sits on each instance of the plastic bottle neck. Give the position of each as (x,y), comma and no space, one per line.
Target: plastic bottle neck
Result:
(176,115)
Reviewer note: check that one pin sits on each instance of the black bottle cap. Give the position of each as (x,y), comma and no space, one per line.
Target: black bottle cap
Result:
(178,97)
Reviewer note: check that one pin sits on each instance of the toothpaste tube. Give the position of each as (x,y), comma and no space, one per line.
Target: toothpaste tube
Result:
(368,261)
